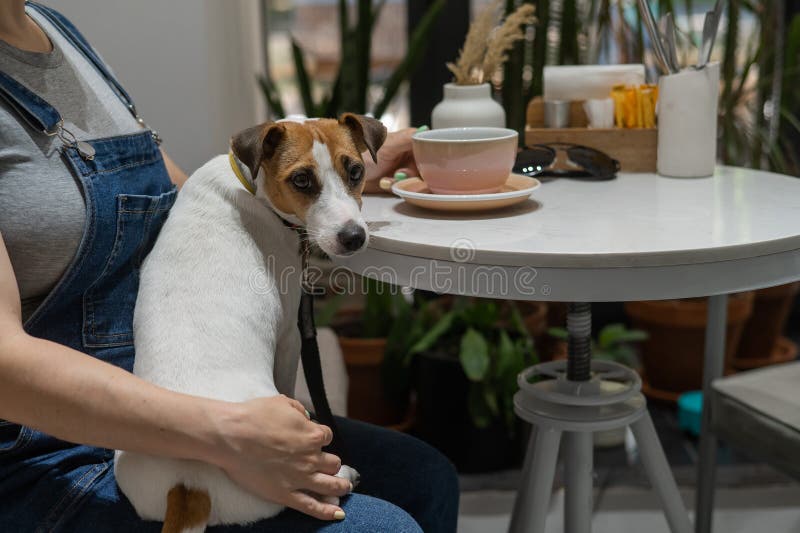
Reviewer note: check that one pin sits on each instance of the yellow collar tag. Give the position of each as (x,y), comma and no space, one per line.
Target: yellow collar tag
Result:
(236,170)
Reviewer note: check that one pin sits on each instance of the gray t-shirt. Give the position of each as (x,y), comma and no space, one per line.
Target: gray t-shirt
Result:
(42,212)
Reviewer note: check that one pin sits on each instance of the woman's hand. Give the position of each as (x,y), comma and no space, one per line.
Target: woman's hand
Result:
(274,451)
(394,156)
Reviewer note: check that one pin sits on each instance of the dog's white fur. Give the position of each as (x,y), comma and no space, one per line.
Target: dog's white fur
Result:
(216,316)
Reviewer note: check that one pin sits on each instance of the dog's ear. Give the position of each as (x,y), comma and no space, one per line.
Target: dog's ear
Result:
(256,144)
(367,132)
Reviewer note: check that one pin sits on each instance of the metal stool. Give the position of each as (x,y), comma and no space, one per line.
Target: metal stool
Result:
(577,397)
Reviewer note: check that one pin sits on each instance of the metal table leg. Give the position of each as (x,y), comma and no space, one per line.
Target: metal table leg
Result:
(714,362)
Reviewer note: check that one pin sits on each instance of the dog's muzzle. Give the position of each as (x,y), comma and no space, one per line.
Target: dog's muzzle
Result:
(351,237)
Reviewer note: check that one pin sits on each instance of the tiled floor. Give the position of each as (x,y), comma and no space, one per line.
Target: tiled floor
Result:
(763,509)
(751,497)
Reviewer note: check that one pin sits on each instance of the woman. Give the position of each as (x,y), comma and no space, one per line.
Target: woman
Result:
(76,219)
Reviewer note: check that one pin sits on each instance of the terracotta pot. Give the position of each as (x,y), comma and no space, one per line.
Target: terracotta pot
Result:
(770,310)
(672,357)
(784,351)
(534,314)
(365,397)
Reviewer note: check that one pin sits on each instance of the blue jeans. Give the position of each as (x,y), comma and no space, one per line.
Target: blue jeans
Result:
(406,486)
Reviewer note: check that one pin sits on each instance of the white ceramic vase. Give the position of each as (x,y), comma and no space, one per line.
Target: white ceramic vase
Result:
(468,105)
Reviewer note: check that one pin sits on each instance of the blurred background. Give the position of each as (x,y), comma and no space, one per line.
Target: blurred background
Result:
(193,66)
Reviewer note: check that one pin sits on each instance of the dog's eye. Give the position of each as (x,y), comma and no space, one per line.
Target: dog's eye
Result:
(301,180)
(356,172)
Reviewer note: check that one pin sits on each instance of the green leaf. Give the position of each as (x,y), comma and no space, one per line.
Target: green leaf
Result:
(481,314)
(429,339)
(516,319)
(609,335)
(491,401)
(558,333)
(507,360)
(272,96)
(379,308)
(362,53)
(476,405)
(417,44)
(474,355)
(326,313)
(303,81)
(330,106)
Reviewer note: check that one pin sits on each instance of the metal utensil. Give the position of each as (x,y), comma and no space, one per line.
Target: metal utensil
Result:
(655,36)
(668,30)
(710,27)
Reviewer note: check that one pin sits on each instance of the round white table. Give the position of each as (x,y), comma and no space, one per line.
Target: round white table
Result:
(638,237)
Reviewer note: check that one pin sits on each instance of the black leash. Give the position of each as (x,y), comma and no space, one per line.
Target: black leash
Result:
(309,354)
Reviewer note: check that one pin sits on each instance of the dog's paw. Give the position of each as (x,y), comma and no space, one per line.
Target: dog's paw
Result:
(349,473)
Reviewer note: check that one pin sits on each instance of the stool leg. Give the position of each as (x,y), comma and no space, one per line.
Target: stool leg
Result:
(533,497)
(578,465)
(655,463)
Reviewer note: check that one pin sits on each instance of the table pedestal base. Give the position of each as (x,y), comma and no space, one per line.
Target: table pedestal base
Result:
(604,396)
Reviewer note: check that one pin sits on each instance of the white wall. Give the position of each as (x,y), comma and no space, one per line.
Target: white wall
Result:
(190,65)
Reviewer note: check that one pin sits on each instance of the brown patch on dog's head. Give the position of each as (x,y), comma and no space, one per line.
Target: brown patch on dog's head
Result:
(368,133)
(295,167)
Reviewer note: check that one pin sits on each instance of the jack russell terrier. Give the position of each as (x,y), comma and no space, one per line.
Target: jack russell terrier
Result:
(216,313)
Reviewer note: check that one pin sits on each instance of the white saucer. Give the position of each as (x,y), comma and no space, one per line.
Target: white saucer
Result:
(516,189)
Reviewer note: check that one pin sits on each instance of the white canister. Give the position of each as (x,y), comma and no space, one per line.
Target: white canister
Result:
(687,122)
(468,105)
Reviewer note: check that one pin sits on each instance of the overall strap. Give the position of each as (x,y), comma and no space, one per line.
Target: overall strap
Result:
(71,33)
(39,114)
(77,39)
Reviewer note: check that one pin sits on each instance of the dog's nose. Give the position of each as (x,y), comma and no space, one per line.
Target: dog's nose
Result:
(352,236)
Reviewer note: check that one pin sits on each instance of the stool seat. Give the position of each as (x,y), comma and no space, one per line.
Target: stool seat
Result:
(610,399)
(759,411)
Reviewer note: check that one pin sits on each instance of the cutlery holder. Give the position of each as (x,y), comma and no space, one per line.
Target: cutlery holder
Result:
(687,122)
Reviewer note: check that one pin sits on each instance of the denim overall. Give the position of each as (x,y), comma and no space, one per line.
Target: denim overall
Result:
(128,194)
(48,485)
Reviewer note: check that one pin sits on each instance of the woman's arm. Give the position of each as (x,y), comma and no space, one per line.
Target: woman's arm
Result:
(176,174)
(266,445)
(395,155)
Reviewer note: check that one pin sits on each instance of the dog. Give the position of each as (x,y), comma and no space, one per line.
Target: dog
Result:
(219,292)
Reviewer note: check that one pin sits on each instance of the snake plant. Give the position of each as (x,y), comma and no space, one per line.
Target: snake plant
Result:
(350,88)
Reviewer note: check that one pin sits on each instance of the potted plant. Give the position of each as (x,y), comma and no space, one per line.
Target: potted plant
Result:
(468,99)
(672,356)
(761,343)
(613,343)
(372,340)
(467,358)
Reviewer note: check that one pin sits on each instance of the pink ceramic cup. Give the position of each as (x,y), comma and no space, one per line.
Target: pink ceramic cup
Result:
(465,160)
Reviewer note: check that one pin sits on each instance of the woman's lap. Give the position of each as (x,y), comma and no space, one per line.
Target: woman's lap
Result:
(401,478)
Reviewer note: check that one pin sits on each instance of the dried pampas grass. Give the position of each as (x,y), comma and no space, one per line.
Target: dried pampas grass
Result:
(474,50)
(487,44)
(504,37)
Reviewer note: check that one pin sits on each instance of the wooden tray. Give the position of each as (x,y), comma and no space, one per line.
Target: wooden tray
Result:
(634,148)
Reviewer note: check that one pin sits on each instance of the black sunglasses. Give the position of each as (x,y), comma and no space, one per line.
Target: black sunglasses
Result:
(588,163)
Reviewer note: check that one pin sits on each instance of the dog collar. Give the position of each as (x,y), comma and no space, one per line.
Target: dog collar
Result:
(247,184)
(238,172)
